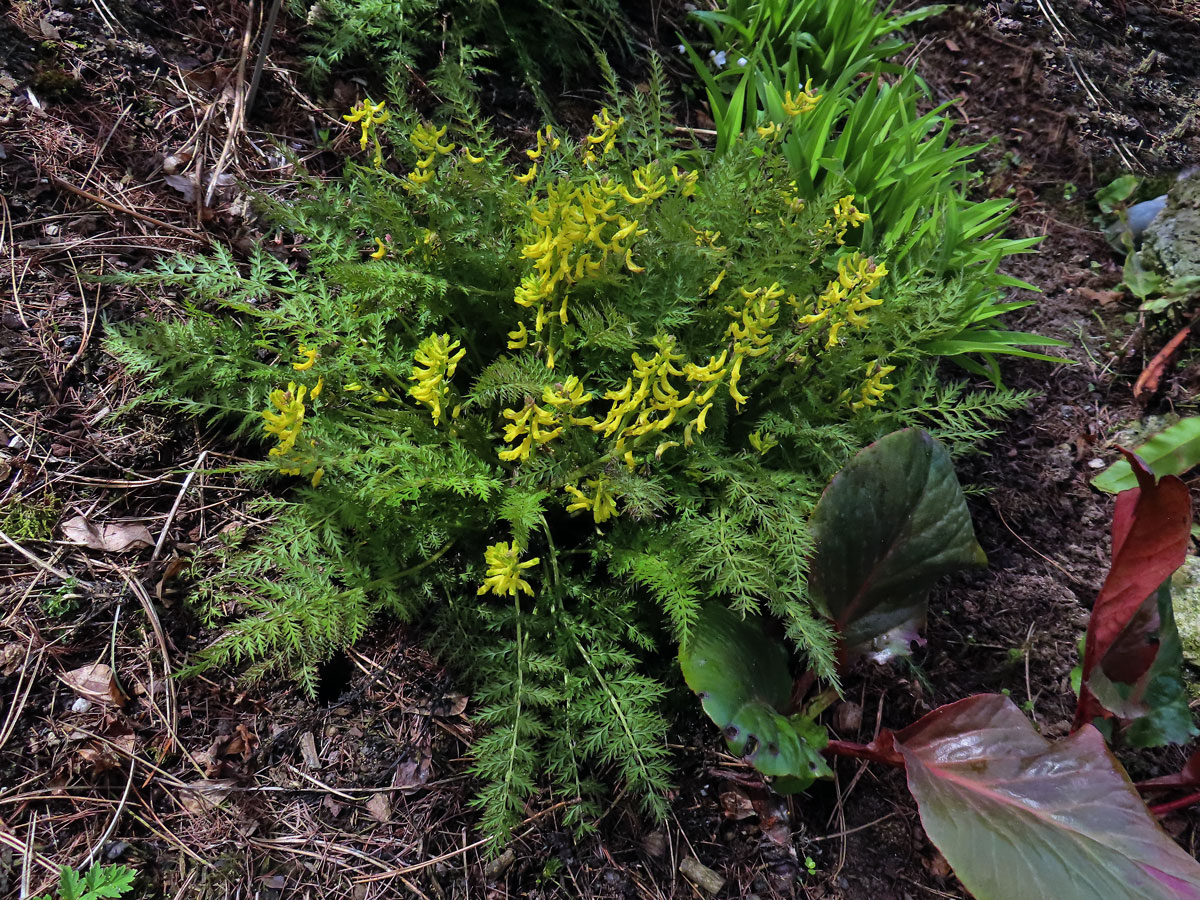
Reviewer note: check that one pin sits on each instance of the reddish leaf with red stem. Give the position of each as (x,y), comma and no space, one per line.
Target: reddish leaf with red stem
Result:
(1151,526)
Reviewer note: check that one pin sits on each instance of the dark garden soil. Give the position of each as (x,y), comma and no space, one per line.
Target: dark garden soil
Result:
(364,793)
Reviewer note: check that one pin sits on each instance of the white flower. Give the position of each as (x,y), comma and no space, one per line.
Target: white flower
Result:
(742,60)
(719,59)
(681,48)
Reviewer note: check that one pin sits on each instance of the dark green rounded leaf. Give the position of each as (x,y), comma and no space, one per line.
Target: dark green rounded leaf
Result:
(742,679)
(889,525)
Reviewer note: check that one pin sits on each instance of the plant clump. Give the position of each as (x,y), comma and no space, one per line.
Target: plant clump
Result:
(550,409)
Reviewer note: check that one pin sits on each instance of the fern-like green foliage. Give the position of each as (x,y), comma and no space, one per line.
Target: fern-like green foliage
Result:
(98,883)
(534,40)
(548,406)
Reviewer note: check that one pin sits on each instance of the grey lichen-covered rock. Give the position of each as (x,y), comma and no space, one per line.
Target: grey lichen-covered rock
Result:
(1185,598)
(1171,240)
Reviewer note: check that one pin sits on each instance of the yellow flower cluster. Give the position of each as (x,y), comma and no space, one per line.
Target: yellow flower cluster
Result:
(804,101)
(605,136)
(873,388)
(428,141)
(531,425)
(845,217)
(369,115)
(750,331)
(434,363)
(601,503)
(649,403)
(504,569)
(285,422)
(536,425)
(579,229)
(846,297)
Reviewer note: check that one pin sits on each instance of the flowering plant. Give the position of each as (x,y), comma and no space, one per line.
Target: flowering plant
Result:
(553,408)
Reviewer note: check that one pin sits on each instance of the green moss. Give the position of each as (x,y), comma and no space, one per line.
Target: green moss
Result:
(30,519)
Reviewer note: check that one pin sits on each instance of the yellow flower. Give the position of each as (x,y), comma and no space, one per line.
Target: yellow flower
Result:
(768,132)
(601,504)
(803,102)
(874,387)
(504,569)
(318,475)
(716,282)
(428,140)
(471,158)
(434,363)
(369,116)
(286,421)
(518,339)
(762,443)
(310,358)
(531,425)
(380,249)
(528,176)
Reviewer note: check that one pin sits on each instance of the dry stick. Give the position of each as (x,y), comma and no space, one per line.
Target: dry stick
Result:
(262,54)
(27,855)
(116,207)
(238,118)
(62,576)
(408,870)
(112,825)
(162,537)
(88,327)
(12,259)
(14,712)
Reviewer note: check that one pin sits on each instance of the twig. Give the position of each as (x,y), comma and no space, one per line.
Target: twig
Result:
(162,537)
(408,870)
(116,207)
(262,54)
(62,576)
(112,825)
(238,117)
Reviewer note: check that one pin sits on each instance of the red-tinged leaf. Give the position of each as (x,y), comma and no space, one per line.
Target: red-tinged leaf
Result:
(1018,816)
(1151,527)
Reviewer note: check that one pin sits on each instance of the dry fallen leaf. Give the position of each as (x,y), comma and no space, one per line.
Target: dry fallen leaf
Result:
(379,808)
(96,683)
(114,538)
(201,796)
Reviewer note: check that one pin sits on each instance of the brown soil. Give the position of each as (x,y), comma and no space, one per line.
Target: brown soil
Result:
(1071,99)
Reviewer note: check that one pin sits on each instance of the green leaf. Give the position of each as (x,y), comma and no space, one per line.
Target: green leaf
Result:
(888,526)
(1117,192)
(1170,452)
(742,679)
(1017,816)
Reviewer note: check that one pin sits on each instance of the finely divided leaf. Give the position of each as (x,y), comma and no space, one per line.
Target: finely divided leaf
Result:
(742,678)
(1019,817)
(889,525)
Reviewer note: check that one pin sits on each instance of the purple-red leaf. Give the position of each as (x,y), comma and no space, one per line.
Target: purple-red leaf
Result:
(1151,526)
(1017,816)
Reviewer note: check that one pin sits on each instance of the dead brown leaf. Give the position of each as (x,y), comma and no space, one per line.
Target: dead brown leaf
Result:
(1147,383)
(204,795)
(111,538)
(1104,298)
(379,808)
(96,683)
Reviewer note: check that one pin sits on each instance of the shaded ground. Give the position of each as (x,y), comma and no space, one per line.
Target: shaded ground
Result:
(363,793)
